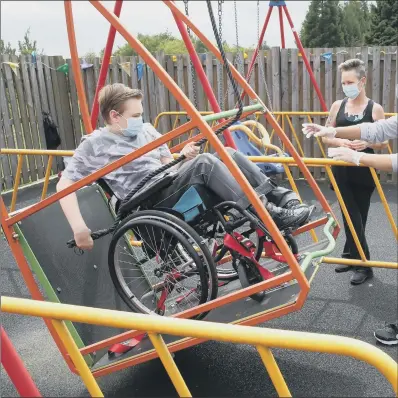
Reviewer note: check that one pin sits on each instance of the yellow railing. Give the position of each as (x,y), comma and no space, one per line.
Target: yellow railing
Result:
(282,118)
(313,162)
(262,338)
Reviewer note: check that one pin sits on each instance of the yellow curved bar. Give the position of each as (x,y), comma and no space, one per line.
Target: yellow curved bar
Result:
(263,142)
(256,336)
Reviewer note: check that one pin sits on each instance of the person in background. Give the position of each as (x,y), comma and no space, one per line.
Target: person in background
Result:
(356,184)
(371,132)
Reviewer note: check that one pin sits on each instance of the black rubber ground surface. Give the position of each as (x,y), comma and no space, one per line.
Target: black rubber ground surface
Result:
(219,369)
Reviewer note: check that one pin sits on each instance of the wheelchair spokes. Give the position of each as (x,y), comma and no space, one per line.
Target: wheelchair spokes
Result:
(155,275)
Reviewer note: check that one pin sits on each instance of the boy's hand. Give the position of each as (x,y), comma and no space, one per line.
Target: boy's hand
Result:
(83,239)
(190,151)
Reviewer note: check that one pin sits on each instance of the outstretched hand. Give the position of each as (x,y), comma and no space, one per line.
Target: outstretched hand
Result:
(345,154)
(316,130)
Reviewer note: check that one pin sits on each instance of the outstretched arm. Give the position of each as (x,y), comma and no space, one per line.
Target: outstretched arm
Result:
(379,131)
(382,162)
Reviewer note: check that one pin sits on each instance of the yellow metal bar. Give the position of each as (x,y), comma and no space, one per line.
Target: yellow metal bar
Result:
(384,202)
(47,177)
(16,183)
(47,152)
(359,263)
(318,140)
(274,372)
(295,136)
(309,161)
(169,365)
(345,212)
(286,339)
(262,142)
(77,358)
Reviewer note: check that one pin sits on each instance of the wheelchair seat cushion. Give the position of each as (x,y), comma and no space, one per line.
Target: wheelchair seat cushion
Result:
(147,191)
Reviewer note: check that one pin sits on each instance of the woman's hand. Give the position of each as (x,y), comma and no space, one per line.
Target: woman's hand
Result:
(316,130)
(190,151)
(359,145)
(345,154)
(342,142)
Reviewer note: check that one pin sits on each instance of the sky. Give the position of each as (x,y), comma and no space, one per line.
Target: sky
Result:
(46,20)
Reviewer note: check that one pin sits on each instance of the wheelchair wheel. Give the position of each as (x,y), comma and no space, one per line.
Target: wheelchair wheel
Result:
(195,285)
(225,271)
(250,275)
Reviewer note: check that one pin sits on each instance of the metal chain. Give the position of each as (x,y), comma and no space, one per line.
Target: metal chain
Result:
(193,80)
(220,67)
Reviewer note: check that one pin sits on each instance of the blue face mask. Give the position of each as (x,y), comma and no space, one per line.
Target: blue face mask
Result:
(135,126)
(351,90)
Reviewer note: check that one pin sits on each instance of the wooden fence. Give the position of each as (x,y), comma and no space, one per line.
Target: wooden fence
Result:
(37,87)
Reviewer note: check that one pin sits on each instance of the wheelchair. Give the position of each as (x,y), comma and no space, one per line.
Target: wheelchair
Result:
(169,260)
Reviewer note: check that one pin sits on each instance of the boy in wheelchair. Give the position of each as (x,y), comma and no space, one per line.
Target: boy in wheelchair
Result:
(121,108)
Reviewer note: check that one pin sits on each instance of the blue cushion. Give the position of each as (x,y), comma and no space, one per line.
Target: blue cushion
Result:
(188,204)
(244,145)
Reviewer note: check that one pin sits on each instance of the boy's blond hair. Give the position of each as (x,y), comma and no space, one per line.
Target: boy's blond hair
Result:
(113,97)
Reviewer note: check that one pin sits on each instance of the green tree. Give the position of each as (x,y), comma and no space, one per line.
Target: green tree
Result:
(383,23)
(27,46)
(322,26)
(6,48)
(355,17)
(161,41)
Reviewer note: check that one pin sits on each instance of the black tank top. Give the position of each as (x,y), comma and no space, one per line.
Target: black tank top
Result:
(357,175)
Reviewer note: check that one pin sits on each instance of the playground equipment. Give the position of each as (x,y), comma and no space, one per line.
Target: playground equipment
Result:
(57,269)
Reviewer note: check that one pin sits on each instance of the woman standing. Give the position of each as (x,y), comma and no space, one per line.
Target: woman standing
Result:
(355,183)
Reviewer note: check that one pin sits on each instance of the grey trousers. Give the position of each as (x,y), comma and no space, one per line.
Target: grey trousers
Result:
(208,170)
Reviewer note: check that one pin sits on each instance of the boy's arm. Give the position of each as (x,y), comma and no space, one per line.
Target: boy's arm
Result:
(70,207)
(82,164)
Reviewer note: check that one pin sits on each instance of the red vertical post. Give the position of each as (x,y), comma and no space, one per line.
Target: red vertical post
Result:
(16,369)
(202,77)
(305,59)
(260,42)
(281,27)
(105,64)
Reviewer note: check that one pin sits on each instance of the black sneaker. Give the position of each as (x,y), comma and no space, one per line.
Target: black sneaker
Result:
(292,204)
(289,218)
(387,335)
(343,268)
(361,275)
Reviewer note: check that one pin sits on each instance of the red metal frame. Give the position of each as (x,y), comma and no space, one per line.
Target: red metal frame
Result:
(281,27)
(202,77)
(298,43)
(16,369)
(105,64)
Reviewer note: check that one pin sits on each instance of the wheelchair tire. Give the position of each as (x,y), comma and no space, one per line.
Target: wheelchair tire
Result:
(249,275)
(193,237)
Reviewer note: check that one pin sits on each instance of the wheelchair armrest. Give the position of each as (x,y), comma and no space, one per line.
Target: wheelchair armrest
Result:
(147,191)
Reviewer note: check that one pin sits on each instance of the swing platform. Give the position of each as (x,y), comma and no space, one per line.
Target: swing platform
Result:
(84,280)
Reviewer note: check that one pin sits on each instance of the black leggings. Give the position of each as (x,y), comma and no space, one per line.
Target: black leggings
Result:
(357,199)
